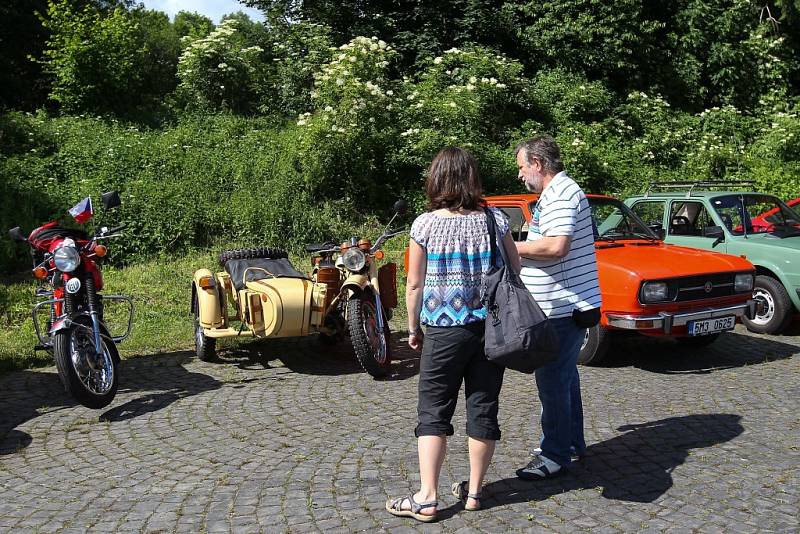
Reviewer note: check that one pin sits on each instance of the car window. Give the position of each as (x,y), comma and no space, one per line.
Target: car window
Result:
(613,220)
(729,210)
(651,212)
(689,219)
(517,224)
(756,213)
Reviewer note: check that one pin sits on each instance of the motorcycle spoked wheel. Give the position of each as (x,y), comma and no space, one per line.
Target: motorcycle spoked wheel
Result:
(373,349)
(92,388)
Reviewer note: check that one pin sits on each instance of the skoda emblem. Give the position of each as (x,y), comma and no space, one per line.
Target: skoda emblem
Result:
(708,287)
(73,285)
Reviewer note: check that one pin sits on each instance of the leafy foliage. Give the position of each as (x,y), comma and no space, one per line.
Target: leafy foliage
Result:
(91,58)
(108,62)
(309,127)
(417,29)
(192,25)
(21,35)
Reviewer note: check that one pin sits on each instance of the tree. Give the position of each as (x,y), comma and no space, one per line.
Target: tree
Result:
(116,61)
(159,48)
(22,84)
(416,28)
(92,58)
(192,25)
(222,70)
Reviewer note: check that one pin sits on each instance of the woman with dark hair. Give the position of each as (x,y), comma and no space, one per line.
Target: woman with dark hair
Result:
(449,251)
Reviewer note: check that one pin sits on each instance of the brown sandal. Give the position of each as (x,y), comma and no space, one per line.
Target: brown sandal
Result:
(395,507)
(461,491)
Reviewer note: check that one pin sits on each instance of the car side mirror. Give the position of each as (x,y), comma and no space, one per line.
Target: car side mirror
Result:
(111,200)
(17,235)
(715,232)
(400,207)
(657,229)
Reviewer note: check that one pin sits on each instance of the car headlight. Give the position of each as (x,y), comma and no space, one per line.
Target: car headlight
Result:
(654,292)
(67,259)
(354,260)
(743,282)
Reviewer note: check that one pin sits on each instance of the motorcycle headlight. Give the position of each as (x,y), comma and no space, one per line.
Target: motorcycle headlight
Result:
(654,292)
(67,259)
(743,282)
(354,260)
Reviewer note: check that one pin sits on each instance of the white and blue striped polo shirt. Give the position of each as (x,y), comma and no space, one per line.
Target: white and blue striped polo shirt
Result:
(560,286)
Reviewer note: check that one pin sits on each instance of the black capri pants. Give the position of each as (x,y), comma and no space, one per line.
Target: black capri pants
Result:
(451,355)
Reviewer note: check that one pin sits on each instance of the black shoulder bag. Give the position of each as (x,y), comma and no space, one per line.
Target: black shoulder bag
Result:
(518,334)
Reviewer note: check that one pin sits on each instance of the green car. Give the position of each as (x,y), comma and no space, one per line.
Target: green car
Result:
(756,226)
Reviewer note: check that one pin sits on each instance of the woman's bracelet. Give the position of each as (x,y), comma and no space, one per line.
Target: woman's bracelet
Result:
(414,331)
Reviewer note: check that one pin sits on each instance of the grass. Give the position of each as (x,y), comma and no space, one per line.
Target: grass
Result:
(161,292)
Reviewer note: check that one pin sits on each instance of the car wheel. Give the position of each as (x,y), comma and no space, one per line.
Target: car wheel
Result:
(698,341)
(267,253)
(776,307)
(595,346)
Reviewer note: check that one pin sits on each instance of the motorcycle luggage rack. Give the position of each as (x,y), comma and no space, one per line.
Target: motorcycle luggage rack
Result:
(46,341)
(653,187)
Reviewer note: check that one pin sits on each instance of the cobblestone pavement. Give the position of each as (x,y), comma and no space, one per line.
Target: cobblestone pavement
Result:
(291,437)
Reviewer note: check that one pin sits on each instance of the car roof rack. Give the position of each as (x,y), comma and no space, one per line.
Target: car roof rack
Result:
(652,187)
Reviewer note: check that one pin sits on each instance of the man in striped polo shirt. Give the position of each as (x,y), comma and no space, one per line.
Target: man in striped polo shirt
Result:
(560,270)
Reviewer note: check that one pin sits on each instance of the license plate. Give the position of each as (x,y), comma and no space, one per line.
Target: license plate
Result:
(711,326)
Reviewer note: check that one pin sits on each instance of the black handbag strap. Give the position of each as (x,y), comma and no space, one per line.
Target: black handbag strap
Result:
(494,242)
(490,226)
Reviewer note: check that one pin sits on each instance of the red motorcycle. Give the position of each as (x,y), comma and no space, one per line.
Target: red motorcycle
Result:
(75,333)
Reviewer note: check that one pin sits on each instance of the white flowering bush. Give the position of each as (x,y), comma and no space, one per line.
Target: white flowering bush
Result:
(467,97)
(221,70)
(462,97)
(345,134)
(298,52)
(356,74)
(773,159)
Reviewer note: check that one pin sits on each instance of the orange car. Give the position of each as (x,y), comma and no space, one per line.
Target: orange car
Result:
(648,286)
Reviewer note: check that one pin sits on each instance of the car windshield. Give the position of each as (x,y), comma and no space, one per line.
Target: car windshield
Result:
(612,221)
(756,214)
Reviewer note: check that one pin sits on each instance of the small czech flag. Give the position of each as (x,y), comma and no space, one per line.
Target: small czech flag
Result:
(82,211)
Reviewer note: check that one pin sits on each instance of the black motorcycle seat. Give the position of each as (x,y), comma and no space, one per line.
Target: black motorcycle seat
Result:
(316,247)
(260,269)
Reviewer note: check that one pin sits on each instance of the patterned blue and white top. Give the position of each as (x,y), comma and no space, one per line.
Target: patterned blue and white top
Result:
(458,253)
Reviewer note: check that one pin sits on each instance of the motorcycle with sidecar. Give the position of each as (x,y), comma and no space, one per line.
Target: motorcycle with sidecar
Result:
(346,293)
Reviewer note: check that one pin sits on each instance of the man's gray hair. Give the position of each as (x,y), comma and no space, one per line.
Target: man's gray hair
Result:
(545,149)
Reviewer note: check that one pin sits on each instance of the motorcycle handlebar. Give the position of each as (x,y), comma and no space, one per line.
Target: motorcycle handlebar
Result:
(383,238)
(117,228)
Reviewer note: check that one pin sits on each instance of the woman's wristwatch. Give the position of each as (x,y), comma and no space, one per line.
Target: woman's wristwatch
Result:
(414,331)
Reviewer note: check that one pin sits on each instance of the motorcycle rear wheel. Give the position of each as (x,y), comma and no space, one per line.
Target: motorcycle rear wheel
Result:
(373,349)
(92,388)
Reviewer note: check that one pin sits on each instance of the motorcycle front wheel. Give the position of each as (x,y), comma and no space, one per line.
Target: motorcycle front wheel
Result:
(372,347)
(91,380)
